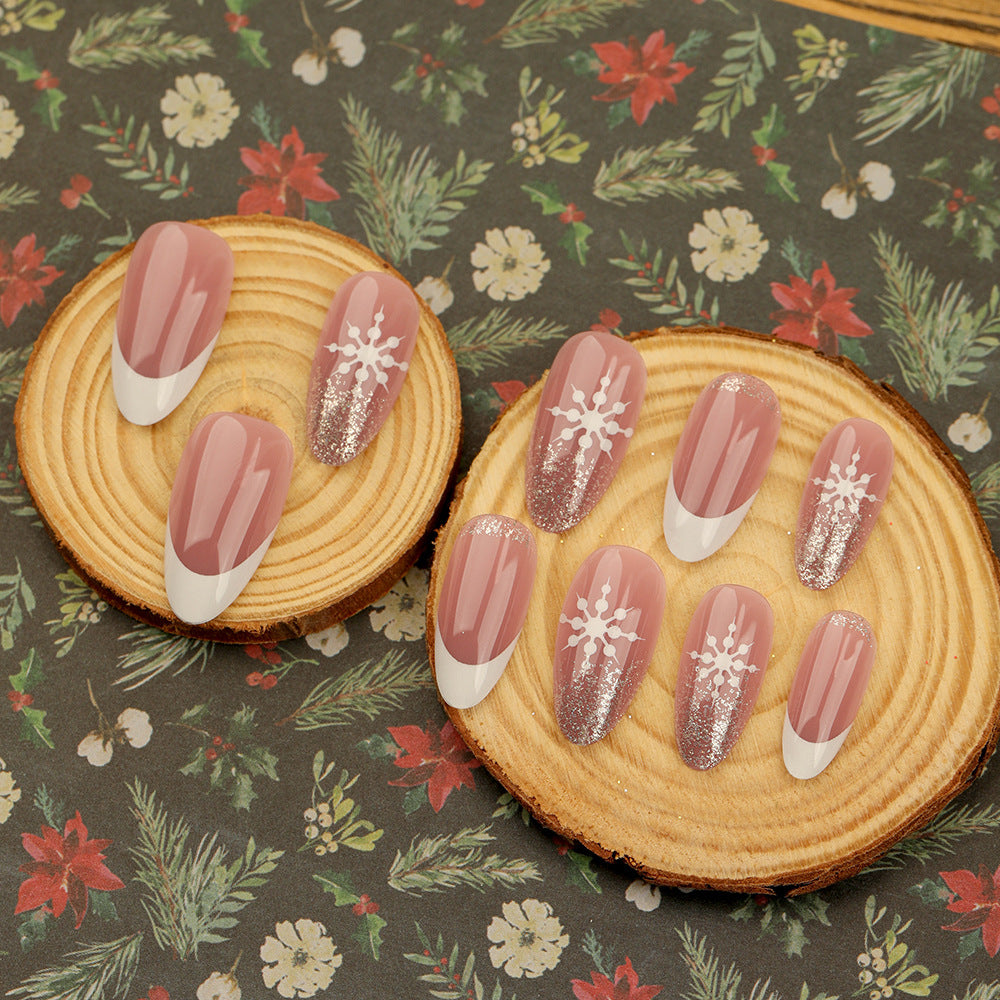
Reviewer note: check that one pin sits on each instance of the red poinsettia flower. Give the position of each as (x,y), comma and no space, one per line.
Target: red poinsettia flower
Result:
(63,869)
(23,275)
(282,179)
(645,74)
(816,312)
(977,898)
(440,759)
(625,987)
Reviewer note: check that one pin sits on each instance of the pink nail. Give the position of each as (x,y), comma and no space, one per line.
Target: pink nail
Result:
(483,604)
(843,494)
(720,462)
(826,693)
(176,291)
(586,415)
(360,364)
(228,493)
(604,642)
(723,660)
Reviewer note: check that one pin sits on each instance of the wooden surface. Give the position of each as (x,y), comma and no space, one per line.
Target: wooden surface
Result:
(927,580)
(102,485)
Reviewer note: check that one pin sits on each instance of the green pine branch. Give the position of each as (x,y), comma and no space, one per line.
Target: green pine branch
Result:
(405,203)
(138,36)
(101,971)
(654,171)
(479,342)
(191,894)
(436,863)
(986,490)
(709,980)
(13,361)
(920,91)
(15,195)
(155,652)
(537,22)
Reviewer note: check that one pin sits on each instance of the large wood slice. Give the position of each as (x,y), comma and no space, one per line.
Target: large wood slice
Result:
(927,581)
(102,485)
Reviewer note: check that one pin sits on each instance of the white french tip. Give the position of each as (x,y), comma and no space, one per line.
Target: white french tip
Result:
(143,400)
(196,598)
(804,759)
(464,685)
(692,538)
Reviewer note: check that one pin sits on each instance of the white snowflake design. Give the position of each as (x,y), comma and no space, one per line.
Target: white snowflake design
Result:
(724,664)
(599,629)
(596,425)
(847,488)
(372,355)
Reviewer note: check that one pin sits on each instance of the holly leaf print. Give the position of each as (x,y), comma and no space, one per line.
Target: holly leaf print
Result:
(50,98)
(33,727)
(368,932)
(580,872)
(771,131)
(574,239)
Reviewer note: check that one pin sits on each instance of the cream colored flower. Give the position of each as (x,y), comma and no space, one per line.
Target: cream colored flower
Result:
(330,641)
(220,986)
(198,111)
(132,727)
(874,181)
(645,896)
(971,431)
(510,264)
(400,614)
(346,46)
(436,292)
(9,793)
(528,939)
(10,129)
(301,959)
(728,245)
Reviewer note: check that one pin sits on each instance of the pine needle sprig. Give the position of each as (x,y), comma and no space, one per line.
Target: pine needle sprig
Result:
(648,172)
(482,341)
(101,971)
(15,195)
(111,41)
(191,895)
(986,490)
(536,22)
(155,652)
(920,91)
(405,204)
(13,361)
(709,980)
(436,863)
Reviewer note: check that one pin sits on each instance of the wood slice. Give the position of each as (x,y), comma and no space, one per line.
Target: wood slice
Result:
(927,581)
(102,485)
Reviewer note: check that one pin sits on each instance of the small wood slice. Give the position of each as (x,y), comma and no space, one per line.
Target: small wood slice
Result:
(927,581)
(102,485)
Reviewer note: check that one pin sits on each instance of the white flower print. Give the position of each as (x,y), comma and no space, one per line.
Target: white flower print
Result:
(971,431)
(10,129)
(220,986)
(874,180)
(528,939)
(198,111)
(644,895)
(330,641)
(346,46)
(9,793)
(510,264)
(436,292)
(400,614)
(132,726)
(728,245)
(301,959)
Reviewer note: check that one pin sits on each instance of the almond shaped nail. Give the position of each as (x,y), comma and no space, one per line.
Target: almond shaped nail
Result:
(174,298)
(725,654)
(586,414)
(826,692)
(844,491)
(360,365)
(228,493)
(721,459)
(605,639)
(484,601)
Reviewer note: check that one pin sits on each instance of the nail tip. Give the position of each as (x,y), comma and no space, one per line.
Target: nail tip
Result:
(804,759)
(692,538)
(464,685)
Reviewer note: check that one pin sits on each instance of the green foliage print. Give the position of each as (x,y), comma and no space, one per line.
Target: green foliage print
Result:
(447,976)
(538,22)
(887,962)
(785,918)
(482,342)
(101,971)
(368,932)
(16,600)
(540,132)
(30,677)
(968,206)
(332,817)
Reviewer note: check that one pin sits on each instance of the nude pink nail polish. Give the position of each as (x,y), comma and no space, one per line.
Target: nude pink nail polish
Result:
(721,459)
(826,691)
(484,601)
(844,491)
(228,493)
(722,666)
(586,415)
(174,298)
(360,365)
(605,639)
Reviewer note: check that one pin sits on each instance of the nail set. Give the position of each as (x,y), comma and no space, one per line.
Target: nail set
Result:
(611,616)
(234,473)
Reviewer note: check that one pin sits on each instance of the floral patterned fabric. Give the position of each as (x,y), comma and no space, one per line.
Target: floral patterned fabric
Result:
(181,819)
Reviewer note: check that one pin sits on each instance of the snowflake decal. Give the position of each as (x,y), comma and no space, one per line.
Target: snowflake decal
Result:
(598,629)
(594,424)
(847,488)
(724,664)
(372,355)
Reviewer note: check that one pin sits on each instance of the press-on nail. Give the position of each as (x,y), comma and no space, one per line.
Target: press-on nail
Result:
(176,291)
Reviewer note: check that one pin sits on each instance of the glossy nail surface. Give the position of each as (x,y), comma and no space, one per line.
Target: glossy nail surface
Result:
(176,291)
(843,493)
(228,494)
(360,364)
(586,414)
(826,692)
(721,459)
(722,666)
(605,639)
(483,604)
